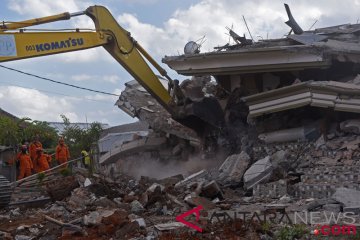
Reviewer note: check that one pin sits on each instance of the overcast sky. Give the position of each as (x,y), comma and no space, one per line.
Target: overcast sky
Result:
(163,27)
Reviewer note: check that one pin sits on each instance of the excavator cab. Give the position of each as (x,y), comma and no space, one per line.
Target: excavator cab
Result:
(18,43)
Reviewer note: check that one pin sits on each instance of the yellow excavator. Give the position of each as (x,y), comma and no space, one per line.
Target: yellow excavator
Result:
(17,42)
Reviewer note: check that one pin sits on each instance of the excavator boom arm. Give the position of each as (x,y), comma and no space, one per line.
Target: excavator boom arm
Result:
(198,115)
(109,34)
(20,45)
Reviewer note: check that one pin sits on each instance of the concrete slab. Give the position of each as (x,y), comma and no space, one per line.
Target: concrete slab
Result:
(348,197)
(258,173)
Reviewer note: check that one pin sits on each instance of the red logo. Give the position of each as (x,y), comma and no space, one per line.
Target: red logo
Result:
(335,230)
(181,218)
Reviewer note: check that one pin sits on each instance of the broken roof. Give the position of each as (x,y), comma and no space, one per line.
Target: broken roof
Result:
(311,49)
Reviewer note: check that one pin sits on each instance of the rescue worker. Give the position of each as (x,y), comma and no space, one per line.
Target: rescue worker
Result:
(41,160)
(48,157)
(26,164)
(62,154)
(35,144)
(86,158)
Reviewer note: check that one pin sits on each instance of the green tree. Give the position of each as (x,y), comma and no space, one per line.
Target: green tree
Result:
(47,134)
(79,139)
(14,132)
(9,131)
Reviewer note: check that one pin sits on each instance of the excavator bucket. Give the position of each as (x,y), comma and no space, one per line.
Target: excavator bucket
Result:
(201,116)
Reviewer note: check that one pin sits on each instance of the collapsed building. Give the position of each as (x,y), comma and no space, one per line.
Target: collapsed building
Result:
(314,73)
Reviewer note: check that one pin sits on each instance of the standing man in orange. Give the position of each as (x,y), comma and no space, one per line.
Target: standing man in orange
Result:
(41,160)
(35,144)
(62,154)
(48,157)
(25,163)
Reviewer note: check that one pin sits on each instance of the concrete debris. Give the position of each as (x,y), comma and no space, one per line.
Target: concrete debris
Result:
(87,182)
(259,172)
(5,236)
(22,237)
(141,222)
(136,207)
(15,212)
(212,190)
(194,201)
(353,209)
(233,168)
(322,94)
(133,100)
(334,208)
(351,126)
(290,135)
(168,226)
(93,218)
(273,190)
(153,187)
(348,197)
(196,177)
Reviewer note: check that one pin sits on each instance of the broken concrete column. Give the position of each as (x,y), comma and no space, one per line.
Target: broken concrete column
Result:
(196,177)
(291,135)
(233,168)
(259,172)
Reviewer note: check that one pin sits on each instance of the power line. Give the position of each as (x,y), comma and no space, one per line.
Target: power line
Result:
(62,83)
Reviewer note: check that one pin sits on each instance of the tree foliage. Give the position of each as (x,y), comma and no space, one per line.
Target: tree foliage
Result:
(48,135)
(79,139)
(15,132)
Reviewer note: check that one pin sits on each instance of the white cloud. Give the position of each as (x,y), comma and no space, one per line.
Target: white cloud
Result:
(114,79)
(117,91)
(144,2)
(30,9)
(31,103)
(46,7)
(111,78)
(82,77)
(106,115)
(102,97)
(210,17)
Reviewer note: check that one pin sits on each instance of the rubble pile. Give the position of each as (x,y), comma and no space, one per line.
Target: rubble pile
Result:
(123,208)
(317,175)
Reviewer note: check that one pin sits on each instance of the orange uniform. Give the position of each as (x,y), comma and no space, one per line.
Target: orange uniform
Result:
(25,165)
(32,151)
(62,154)
(42,162)
(49,158)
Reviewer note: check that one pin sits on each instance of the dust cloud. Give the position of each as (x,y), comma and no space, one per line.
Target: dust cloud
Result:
(159,169)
